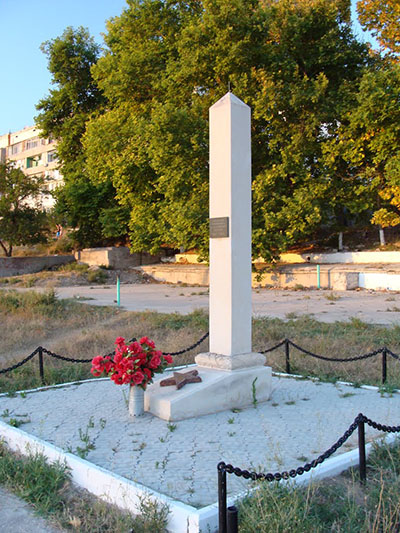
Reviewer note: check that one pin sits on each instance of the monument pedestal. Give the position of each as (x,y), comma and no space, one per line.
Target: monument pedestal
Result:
(220,390)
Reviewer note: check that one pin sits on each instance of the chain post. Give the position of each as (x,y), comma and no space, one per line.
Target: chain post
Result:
(384,364)
(287,354)
(41,369)
(232,519)
(361,451)
(221,499)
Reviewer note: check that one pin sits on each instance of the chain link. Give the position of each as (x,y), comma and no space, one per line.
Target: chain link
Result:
(274,347)
(381,427)
(336,359)
(72,360)
(69,359)
(190,347)
(277,476)
(395,356)
(13,367)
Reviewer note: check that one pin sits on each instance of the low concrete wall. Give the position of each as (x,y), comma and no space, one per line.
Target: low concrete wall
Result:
(16,266)
(323,259)
(115,257)
(287,277)
(336,280)
(343,257)
(173,273)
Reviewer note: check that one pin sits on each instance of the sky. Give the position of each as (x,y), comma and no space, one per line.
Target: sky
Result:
(24,25)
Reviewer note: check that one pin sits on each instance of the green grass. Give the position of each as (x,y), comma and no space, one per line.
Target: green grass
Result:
(47,486)
(339,339)
(76,330)
(340,504)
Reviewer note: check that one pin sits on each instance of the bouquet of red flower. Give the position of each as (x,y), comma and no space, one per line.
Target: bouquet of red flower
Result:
(135,364)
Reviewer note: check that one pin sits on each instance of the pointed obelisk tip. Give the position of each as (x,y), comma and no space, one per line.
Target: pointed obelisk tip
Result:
(229,98)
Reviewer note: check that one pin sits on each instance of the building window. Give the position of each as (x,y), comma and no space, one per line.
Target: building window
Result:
(15,148)
(33,143)
(32,162)
(51,156)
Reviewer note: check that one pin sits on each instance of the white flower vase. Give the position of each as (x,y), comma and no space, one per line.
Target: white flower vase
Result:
(136,401)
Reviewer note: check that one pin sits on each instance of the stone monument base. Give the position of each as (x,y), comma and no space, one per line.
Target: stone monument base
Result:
(219,390)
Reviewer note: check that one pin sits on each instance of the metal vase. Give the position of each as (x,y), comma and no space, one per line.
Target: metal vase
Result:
(136,401)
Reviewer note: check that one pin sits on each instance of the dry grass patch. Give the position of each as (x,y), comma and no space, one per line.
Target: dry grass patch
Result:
(337,340)
(48,487)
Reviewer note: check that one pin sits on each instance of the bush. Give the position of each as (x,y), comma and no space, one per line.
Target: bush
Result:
(96,276)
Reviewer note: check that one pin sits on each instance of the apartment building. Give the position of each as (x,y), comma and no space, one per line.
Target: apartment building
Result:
(35,157)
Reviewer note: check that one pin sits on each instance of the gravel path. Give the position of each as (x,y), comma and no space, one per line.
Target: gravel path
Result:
(16,516)
(301,420)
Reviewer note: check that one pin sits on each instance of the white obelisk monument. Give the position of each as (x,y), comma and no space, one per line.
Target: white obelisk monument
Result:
(233,375)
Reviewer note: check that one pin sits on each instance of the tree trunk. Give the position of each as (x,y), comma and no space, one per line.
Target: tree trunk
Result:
(382,236)
(7,253)
(340,241)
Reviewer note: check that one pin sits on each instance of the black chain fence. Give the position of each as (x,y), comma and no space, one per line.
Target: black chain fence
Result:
(384,352)
(228,516)
(287,343)
(40,351)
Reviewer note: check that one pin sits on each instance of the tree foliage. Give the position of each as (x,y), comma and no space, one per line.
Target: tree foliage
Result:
(296,64)
(63,115)
(370,142)
(20,222)
(382,18)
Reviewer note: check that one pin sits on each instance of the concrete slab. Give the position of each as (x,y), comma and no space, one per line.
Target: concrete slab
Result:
(218,391)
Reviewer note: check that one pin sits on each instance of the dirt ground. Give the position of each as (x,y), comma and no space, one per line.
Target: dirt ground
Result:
(69,278)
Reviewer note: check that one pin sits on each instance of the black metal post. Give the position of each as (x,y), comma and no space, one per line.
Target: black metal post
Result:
(361,451)
(287,356)
(232,519)
(384,364)
(41,369)
(221,498)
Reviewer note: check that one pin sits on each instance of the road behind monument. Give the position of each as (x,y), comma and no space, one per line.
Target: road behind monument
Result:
(324,305)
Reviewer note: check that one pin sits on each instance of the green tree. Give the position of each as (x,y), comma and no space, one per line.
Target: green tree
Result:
(20,223)
(369,143)
(294,63)
(382,18)
(63,115)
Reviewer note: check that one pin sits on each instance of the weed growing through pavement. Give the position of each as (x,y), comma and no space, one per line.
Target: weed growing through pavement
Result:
(231,420)
(346,395)
(16,423)
(84,436)
(171,427)
(254,393)
(388,389)
(332,297)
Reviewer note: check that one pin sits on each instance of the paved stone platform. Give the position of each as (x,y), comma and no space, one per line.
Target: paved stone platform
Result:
(302,419)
